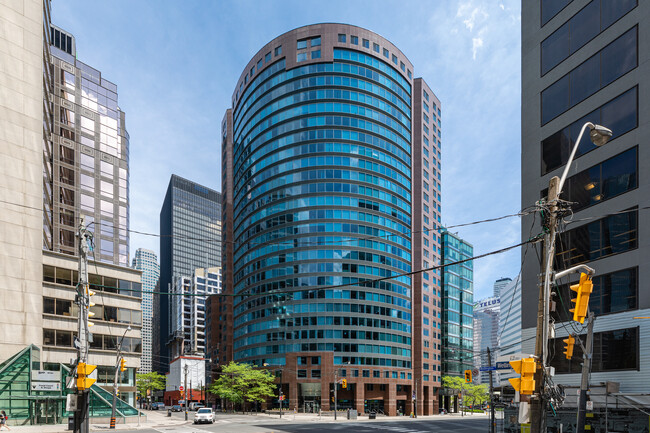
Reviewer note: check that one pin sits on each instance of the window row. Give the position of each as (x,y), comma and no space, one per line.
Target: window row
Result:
(612,293)
(375,63)
(611,235)
(69,277)
(550,8)
(316,200)
(602,181)
(277,51)
(609,64)
(251,119)
(612,351)
(59,338)
(620,115)
(592,20)
(65,307)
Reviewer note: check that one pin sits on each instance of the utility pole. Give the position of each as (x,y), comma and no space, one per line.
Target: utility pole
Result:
(538,404)
(336,383)
(281,395)
(586,369)
(489,356)
(118,369)
(82,300)
(186,393)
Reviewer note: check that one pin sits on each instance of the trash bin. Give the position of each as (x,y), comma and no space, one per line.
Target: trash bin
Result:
(169,412)
(372,415)
(71,423)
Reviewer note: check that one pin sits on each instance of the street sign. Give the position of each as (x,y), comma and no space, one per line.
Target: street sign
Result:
(46,376)
(180,388)
(46,386)
(487,368)
(503,366)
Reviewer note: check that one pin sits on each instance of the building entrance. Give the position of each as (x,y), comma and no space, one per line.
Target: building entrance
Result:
(47,411)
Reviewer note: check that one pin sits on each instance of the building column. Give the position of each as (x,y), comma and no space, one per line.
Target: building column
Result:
(293,395)
(325,399)
(359,396)
(390,399)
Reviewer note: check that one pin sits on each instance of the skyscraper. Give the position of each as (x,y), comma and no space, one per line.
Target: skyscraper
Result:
(190,238)
(147,262)
(457,305)
(499,285)
(486,334)
(90,166)
(510,323)
(588,61)
(331,157)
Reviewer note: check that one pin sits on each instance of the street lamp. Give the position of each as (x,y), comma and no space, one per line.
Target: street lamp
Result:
(117,370)
(599,135)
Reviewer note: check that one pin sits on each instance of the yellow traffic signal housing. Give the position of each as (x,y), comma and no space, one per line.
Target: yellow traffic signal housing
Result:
(570,341)
(344,383)
(468,376)
(583,288)
(525,367)
(83,371)
(123,364)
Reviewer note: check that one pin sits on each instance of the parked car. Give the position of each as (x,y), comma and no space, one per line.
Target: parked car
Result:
(177,408)
(158,405)
(204,415)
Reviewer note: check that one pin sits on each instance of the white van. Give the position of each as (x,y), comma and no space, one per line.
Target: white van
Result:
(196,406)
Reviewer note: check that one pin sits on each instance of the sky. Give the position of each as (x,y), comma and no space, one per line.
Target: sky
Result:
(176,64)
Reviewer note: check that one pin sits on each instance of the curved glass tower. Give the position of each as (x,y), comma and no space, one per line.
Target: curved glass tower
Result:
(317,182)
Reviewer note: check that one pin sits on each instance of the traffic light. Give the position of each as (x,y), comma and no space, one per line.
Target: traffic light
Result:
(344,383)
(568,350)
(468,376)
(332,399)
(90,304)
(525,367)
(123,364)
(583,289)
(83,371)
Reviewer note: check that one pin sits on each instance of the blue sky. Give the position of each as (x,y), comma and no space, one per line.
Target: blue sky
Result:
(176,64)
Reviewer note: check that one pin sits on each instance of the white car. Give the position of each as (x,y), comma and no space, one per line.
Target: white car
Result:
(204,415)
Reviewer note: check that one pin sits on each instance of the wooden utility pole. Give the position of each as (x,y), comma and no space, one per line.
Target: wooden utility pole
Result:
(586,369)
(489,357)
(537,403)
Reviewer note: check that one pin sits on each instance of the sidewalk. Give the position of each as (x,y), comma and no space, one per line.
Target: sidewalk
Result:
(150,419)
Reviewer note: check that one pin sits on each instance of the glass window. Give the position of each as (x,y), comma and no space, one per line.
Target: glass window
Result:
(619,57)
(63,338)
(315,373)
(315,42)
(48,337)
(301,57)
(48,273)
(394,58)
(267,57)
(365,43)
(619,114)
(550,8)
(555,48)
(259,66)
(612,10)
(354,40)
(585,80)
(555,99)
(585,25)
(341,38)
(386,53)
(315,54)
(375,47)
(64,276)
(278,50)
(48,306)
(301,44)
(302,373)
(63,307)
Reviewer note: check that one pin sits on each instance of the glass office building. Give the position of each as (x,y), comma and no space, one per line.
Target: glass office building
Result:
(147,262)
(457,305)
(318,202)
(190,238)
(588,61)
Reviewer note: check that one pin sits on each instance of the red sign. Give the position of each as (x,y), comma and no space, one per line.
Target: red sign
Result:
(181,388)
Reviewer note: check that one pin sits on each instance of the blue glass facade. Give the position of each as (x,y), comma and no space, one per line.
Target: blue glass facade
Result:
(321,163)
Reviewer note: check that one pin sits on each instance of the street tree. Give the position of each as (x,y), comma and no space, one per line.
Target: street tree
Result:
(241,383)
(147,383)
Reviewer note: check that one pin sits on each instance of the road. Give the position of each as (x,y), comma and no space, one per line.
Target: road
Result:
(232,423)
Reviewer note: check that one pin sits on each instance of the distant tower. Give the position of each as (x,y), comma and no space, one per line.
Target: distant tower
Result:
(147,262)
(499,286)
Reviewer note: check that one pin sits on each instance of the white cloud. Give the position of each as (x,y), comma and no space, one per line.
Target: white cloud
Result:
(476,44)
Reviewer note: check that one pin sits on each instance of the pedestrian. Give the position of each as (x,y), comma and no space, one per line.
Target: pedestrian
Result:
(3,420)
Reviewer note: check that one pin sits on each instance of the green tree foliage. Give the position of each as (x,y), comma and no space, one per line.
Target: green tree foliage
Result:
(149,382)
(241,383)
(473,394)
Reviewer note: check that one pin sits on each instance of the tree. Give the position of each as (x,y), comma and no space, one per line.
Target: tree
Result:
(476,394)
(241,383)
(149,382)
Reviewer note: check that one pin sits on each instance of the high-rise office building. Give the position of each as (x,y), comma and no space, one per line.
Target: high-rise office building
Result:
(457,305)
(331,157)
(190,229)
(147,262)
(62,146)
(588,61)
(90,166)
(499,285)
(486,334)
(510,324)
